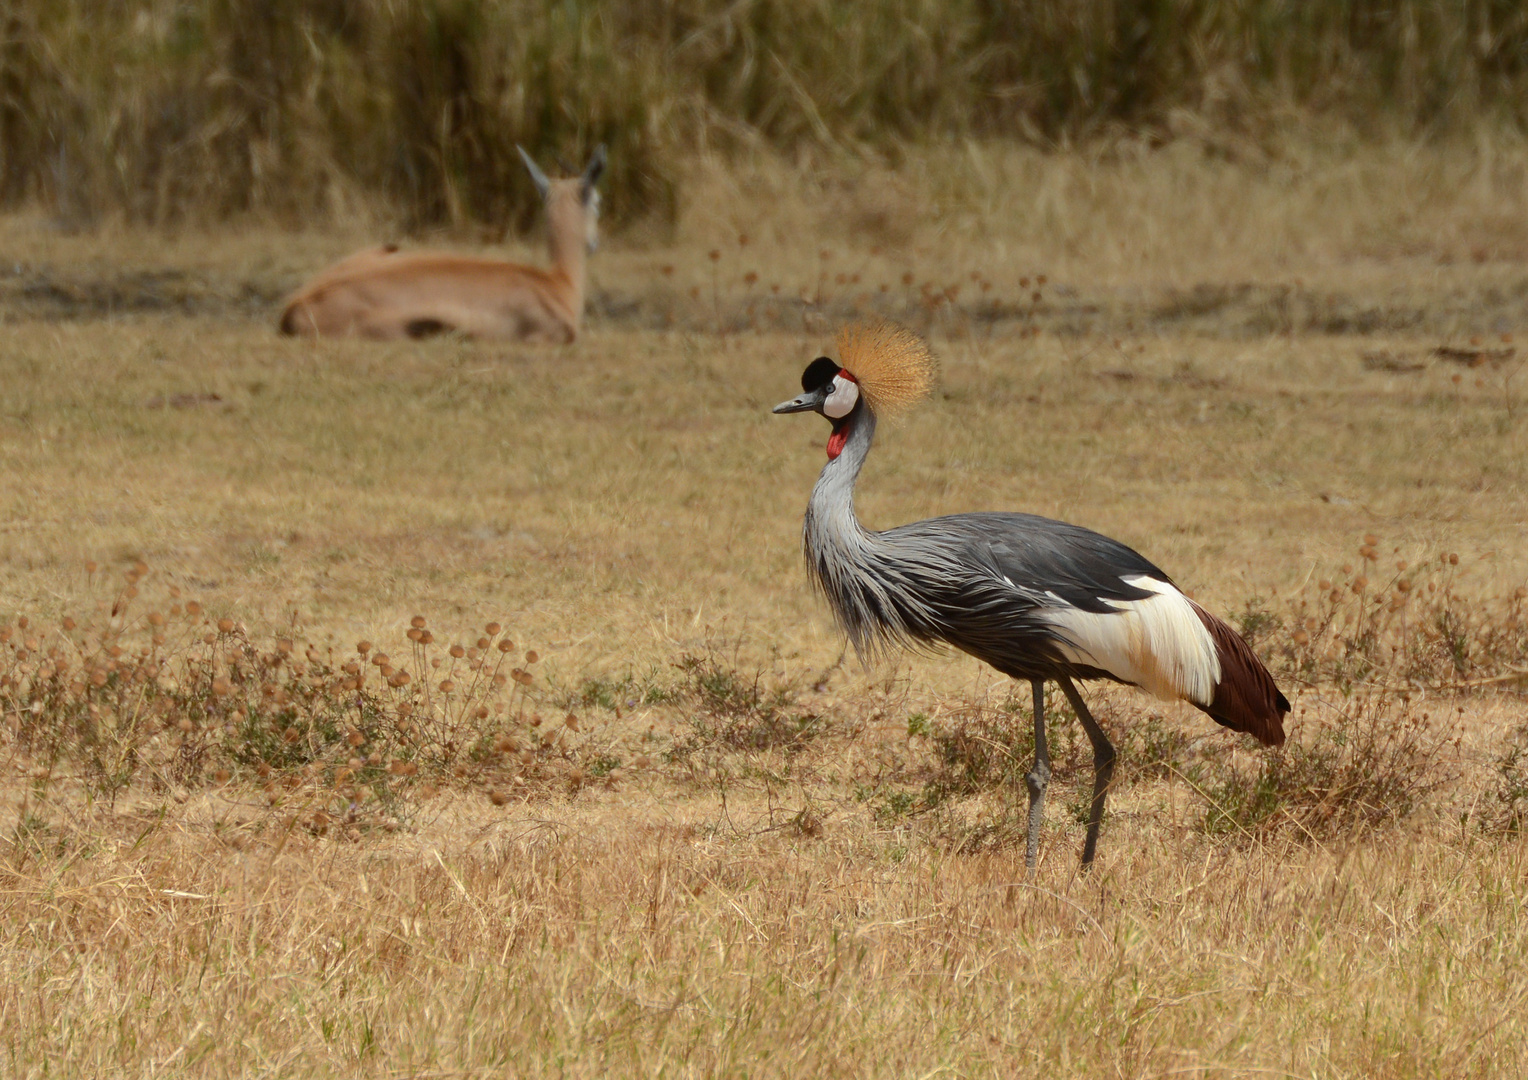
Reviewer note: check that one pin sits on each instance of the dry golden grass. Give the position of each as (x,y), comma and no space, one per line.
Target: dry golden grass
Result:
(750,856)
(637,934)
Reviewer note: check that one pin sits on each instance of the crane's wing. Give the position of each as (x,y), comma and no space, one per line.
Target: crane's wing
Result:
(1034,597)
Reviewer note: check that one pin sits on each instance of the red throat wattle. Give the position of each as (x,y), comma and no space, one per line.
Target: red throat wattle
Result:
(836,441)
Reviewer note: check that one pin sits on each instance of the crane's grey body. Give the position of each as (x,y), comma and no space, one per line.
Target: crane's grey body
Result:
(980,582)
(1037,599)
(984,583)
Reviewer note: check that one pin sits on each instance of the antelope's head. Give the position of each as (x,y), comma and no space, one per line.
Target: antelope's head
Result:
(575,193)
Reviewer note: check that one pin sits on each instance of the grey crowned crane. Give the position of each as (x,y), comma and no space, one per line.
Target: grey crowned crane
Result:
(1037,599)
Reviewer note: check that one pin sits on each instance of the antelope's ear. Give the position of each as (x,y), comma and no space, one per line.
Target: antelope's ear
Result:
(593,170)
(538,177)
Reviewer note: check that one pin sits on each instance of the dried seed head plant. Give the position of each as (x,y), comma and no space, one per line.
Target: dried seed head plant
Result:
(1413,624)
(172,697)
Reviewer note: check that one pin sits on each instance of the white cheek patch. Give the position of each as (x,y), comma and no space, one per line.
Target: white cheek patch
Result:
(838,404)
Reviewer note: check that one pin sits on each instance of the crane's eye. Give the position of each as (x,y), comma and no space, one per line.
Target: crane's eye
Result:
(841,399)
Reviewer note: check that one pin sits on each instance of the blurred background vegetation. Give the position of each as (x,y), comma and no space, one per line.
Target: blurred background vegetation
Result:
(302,110)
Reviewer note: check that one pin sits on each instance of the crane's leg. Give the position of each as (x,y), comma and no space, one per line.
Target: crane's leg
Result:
(1037,779)
(1103,765)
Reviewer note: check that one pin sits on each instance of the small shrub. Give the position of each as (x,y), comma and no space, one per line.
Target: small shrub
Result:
(176,698)
(1256,622)
(1374,766)
(1151,750)
(727,708)
(1512,782)
(1381,622)
(980,748)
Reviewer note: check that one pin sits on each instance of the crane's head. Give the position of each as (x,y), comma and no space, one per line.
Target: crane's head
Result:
(830,390)
(886,368)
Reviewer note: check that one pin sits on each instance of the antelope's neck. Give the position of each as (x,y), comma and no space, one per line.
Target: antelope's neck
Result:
(566,242)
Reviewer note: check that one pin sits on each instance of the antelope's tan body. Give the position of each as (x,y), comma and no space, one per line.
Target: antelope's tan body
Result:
(384,293)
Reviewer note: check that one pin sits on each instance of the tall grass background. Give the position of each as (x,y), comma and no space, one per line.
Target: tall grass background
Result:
(300,110)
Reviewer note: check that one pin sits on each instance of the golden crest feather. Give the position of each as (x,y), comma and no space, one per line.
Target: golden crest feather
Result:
(892,365)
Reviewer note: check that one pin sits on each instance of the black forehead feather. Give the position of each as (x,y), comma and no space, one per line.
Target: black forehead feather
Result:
(818,374)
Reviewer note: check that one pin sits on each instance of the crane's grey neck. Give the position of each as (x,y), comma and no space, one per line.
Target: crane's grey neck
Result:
(830,518)
(841,554)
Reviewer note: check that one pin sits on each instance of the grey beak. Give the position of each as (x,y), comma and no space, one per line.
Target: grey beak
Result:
(808,401)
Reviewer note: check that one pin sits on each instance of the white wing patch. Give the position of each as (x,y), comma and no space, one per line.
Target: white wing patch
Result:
(1157,642)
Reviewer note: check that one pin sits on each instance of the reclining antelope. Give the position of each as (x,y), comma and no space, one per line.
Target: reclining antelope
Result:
(385,293)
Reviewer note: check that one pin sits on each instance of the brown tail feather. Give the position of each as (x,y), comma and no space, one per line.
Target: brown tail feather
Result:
(1246,698)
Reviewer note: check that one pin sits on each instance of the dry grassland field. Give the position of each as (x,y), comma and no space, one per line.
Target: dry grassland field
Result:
(647,818)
